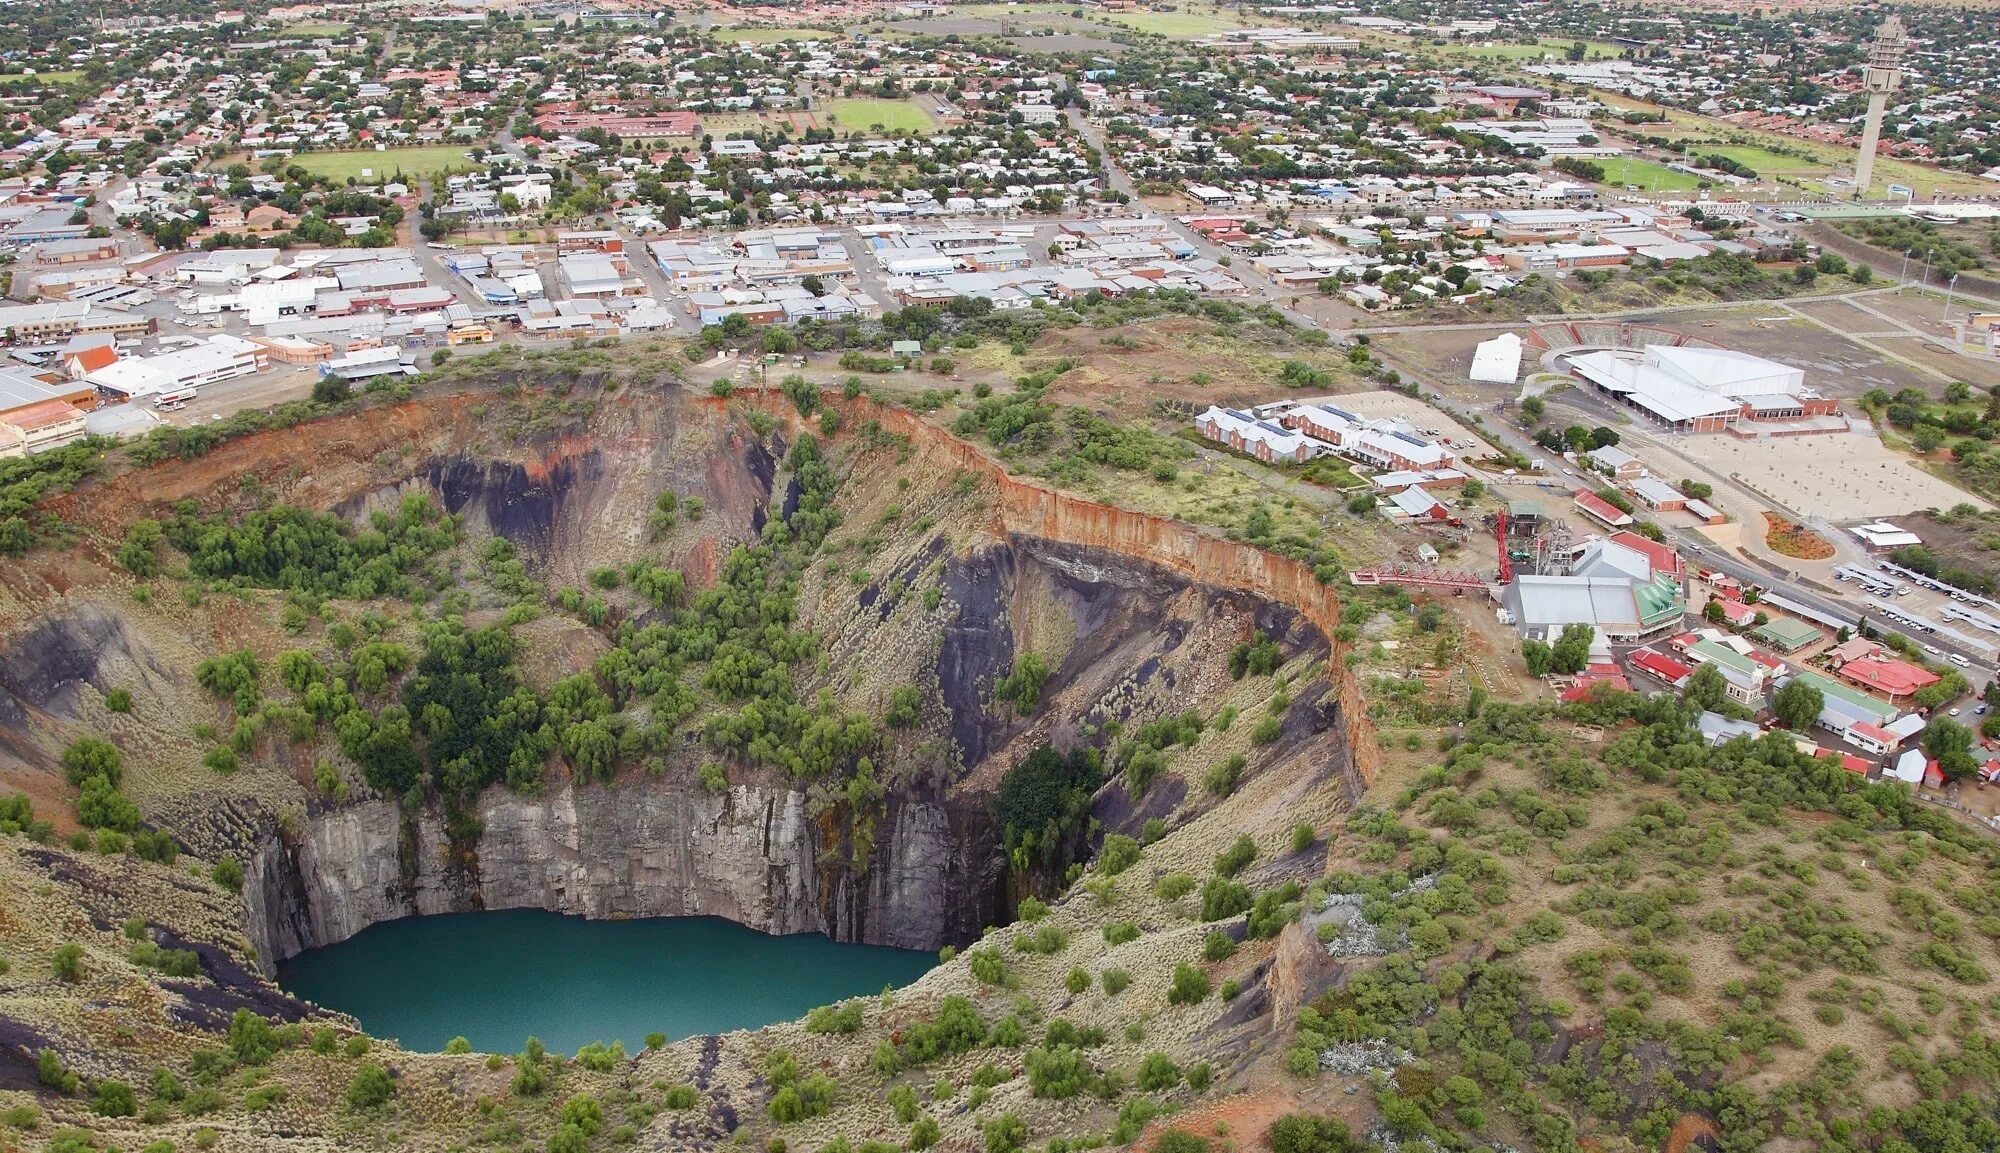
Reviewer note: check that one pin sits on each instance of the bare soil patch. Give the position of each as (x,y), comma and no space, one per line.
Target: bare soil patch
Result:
(1237,1122)
(1794,540)
(1181,359)
(1971,543)
(1689,1128)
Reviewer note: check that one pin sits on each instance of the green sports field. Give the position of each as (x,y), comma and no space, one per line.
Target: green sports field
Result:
(1189,22)
(1179,25)
(774,35)
(1555,48)
(1762,160)
(42,77)
(1646,175)
(860,114)
(418,161)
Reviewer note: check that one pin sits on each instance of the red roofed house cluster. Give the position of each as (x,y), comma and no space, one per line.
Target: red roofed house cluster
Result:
(1884,675)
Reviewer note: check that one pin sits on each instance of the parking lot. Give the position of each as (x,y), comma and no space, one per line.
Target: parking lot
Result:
(1907,595)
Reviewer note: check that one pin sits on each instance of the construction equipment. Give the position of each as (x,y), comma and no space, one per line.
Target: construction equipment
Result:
(1413,576)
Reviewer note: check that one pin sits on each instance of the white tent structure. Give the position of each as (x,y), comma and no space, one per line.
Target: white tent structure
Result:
(1497,361)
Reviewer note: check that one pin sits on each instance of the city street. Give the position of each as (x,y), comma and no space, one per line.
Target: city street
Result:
(1756,570)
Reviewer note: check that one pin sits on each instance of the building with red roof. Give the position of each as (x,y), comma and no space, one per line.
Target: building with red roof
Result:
(1659,555)
(1853,764)
(1593,676)
(1874,738)
(1662,666)
(1599,509)
(1662,557)
(1887,676)
(1583,690)
(569,120)
(43,425)
(1759,656)
(1852,649)
(85,361)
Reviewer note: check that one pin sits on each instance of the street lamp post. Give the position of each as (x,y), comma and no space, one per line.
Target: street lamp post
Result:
(1950,289)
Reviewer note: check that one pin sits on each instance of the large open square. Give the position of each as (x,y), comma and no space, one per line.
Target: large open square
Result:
(1843,477)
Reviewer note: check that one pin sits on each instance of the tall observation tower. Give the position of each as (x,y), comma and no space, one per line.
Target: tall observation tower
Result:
(1883,75)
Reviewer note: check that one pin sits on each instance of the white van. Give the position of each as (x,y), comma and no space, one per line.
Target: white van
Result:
(1960,661)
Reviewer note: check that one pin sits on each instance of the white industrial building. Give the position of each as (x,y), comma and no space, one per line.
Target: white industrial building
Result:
(1708,389)
(267,300)
(591,276)
(364,363)
(1881,536)
(1614,588)
(220,357)
(1384,444)
(380,275)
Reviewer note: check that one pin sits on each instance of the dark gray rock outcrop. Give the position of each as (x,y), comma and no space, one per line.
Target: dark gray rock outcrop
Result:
(644,848)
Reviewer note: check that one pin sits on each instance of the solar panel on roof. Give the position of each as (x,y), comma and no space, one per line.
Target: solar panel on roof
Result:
(1408,439)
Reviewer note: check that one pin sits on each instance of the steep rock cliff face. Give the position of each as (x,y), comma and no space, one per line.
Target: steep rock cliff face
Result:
(1027,510)
(647,848)
(45,669)
(1134,614)
(1123,639)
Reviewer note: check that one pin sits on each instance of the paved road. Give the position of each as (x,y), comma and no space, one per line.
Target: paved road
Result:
(1764,573)
(1495,428)
(432,260)
(505,142)
(1116,178)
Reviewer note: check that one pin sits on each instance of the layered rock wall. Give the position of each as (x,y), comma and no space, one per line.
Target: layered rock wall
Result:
(645,848)
(658,847)
(1028,509)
